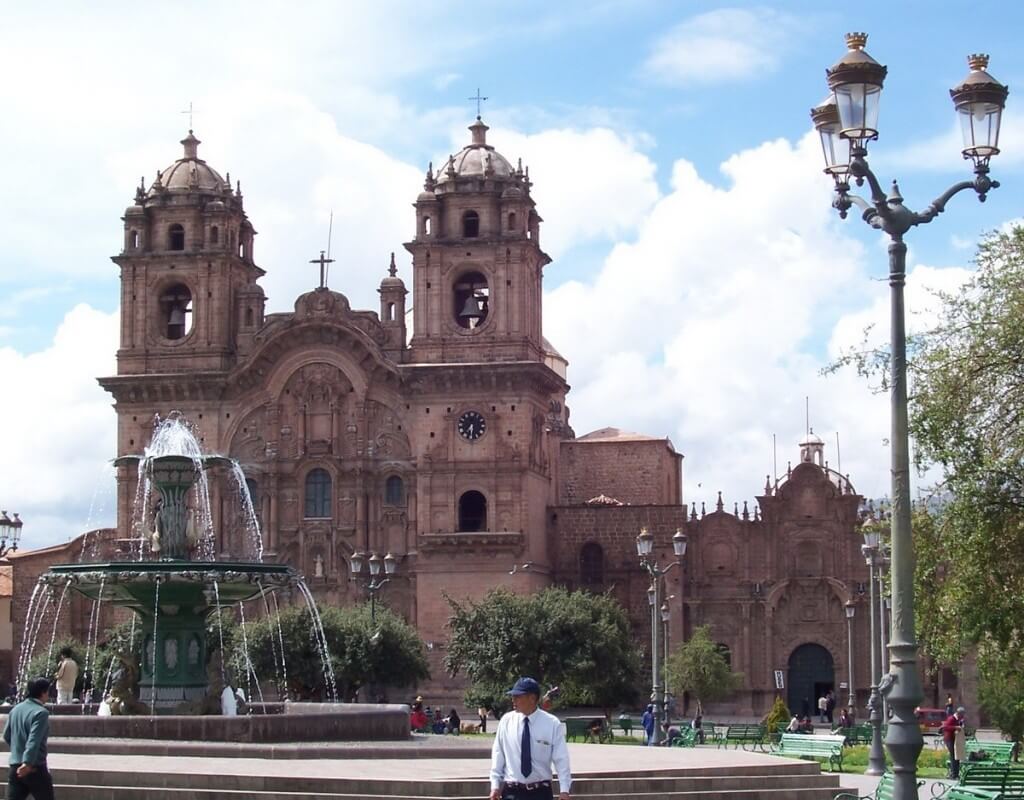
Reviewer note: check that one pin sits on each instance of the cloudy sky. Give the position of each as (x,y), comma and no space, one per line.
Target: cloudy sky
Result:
(700,279)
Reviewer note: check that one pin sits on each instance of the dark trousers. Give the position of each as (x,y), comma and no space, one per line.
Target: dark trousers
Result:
(954,765)
(37,784)
(521,793)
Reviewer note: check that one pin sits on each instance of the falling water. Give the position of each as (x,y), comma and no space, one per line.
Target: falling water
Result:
(252,522)
(220,631)
(273,643)
(280,637)
(92,641)
(56,619)
(152,663)
(321,639)
(35,623)
(250,670)
(27,635)
(140,509)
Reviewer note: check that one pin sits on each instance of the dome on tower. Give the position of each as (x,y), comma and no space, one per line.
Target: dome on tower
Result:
(190,173)
(477,159)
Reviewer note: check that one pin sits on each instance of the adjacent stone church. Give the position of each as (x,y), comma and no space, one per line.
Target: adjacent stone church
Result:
(449,446)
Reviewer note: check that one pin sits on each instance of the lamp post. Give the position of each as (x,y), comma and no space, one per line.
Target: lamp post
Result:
(846,123)
(645,550)
(884,663)
(10,533)
(666,618)
(876,756)
(851,610)
(375,581)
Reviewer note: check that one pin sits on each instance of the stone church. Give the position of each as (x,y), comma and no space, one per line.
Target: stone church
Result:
(449,445)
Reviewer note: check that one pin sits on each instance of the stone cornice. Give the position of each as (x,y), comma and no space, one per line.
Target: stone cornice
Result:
(482,376)
(460,541)
(159,388)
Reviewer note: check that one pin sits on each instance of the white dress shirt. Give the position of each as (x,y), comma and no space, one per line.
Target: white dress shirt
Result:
(547,747)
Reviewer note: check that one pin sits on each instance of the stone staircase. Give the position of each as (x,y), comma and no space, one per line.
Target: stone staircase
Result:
(786,781)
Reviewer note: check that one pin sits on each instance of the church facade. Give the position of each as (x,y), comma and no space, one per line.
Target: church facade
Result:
(449,446)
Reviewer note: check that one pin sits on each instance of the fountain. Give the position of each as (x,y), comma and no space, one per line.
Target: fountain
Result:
(174,584)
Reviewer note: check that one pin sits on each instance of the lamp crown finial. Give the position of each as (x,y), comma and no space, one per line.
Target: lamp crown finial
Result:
(977,61)
(856,40)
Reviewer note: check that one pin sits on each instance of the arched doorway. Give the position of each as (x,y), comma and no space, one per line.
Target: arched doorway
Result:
(811,674)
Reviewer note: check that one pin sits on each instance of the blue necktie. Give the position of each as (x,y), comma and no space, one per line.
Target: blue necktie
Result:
(527,756)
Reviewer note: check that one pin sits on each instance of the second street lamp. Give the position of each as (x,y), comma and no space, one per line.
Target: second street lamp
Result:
(856,82)
(645,550)
(851,695)
(375,582)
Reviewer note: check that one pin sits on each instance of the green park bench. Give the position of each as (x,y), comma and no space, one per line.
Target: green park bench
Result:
(998,752)
(858,734)
(713,732)
(743,735)
(885,789)
(1006,781)
(826,748)
(584,728)
(969,793)
(687,738)
(626,723)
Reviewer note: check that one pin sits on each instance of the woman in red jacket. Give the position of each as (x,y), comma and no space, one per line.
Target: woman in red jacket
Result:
(950,727)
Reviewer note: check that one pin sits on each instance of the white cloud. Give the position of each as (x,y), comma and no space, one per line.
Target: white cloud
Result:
(60,430)
(712,327)
(727,44)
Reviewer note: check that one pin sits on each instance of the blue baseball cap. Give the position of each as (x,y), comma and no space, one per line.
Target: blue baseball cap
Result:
(525,686)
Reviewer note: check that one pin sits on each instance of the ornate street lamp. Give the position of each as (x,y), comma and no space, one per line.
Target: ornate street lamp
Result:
(375,582)
(856,83)
(851,610)
(10,533)
(645,549)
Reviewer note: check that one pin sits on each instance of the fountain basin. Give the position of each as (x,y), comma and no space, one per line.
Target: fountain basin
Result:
(174,599)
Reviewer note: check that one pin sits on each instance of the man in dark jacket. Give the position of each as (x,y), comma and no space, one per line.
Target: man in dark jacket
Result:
(28,727)
(950,726)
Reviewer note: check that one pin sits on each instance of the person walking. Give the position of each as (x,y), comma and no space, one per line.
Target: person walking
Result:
(830,706)
(528,741)
(647,723)
(66,677)
(482,714)
(27,730)
(822,708)
(951,726)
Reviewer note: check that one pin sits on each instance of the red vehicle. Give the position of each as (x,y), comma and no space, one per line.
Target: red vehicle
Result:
(930,719)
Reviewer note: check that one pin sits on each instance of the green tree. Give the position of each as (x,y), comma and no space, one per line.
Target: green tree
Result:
(966,415)
(777,717)
(388,652)
(698,667)
(575,640)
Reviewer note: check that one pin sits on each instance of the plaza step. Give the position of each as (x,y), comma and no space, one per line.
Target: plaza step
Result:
(787,781)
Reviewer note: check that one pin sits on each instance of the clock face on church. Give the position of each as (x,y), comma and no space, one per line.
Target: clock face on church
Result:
(472,425)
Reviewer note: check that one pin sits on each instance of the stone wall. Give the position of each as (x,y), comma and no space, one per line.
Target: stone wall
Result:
(638,472)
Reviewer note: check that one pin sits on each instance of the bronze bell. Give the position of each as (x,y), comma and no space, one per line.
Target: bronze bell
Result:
(472,309)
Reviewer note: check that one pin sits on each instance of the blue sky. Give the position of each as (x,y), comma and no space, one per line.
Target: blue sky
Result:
(694,300)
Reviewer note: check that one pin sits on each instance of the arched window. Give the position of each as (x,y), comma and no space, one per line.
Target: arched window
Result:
(176,237)
(214,235)
(133,240)
(391,312)
(472,512)
(426,226)
(471,300)
(249,318)
(470,225)
(318,494)
(394,491)
(511,220)
(591,565)
(176,311)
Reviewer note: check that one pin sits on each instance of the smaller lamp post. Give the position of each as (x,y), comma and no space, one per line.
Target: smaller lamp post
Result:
(666,618)
(876,755)
(645,550)
(376,582)
(851,610)
(10,533)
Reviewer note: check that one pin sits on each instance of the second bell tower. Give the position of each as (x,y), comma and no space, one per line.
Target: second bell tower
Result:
(477,261)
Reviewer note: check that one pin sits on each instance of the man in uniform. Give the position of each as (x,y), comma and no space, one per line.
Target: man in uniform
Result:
(529,740)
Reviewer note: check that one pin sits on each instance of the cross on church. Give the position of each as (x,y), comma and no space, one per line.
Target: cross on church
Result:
(323,261)
(190,112)
(479,99)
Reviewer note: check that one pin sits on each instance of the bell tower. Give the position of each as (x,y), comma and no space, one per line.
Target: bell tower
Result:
(477,262)
(189,297)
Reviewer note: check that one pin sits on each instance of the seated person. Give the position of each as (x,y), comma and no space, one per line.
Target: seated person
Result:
(671,733)
(418,719)
(845,720)
(806,726)
(453,724)
(794,725)
(438,726)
